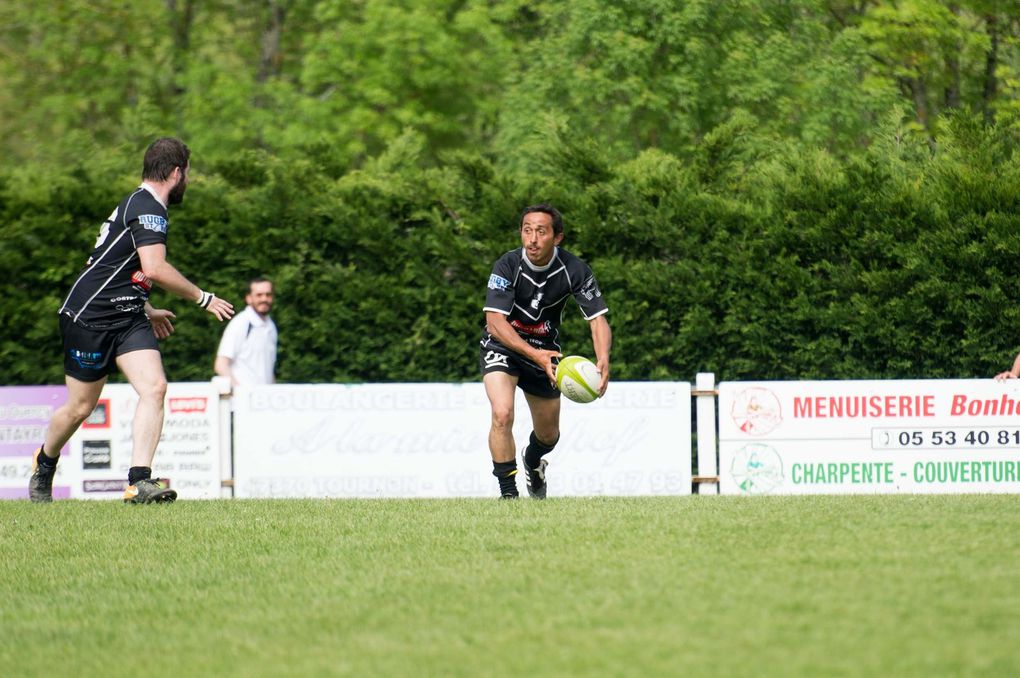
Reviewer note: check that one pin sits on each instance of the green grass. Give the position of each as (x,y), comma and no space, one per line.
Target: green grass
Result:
(868,585)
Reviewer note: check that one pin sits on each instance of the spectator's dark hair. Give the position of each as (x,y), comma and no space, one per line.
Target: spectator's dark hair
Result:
(557,218)
(162,156)
(255,280)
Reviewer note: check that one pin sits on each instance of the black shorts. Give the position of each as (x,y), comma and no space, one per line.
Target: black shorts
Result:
(530,378)
(90,353)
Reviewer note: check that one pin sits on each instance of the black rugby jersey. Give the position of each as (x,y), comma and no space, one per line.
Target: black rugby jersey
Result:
(533,298)
(112,290)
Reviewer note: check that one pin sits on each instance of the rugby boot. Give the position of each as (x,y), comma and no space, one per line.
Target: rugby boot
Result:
(535,479)
(40,485)
(149,491)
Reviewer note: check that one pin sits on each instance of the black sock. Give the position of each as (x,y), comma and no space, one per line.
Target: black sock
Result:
(136,473)
(536,450)
(506,474)
(45,460)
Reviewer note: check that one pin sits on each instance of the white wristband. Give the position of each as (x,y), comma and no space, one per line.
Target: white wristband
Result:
(206,299)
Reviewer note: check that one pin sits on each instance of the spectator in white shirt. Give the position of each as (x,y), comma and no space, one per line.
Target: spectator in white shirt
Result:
(247,352)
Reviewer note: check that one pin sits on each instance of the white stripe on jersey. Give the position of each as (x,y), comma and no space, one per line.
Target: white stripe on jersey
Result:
(586,317)
(86,272)
(95,263)
(536,317)
(542,284)
(563,267)
(103,286)
(570,283)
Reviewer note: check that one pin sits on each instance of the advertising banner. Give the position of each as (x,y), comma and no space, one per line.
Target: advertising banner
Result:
(187,454)
(836,437)
(430,440)
(24,413)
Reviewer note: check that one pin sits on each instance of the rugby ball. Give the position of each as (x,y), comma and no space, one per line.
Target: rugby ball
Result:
(578,379)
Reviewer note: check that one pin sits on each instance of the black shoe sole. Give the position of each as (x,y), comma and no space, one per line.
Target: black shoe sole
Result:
(164,497)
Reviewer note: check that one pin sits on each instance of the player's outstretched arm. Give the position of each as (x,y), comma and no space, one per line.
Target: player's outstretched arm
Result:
(602,340)
(162,272)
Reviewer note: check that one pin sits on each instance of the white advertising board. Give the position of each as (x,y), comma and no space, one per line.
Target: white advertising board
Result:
(188,453)
(837,437)
(25,411)
(430,440)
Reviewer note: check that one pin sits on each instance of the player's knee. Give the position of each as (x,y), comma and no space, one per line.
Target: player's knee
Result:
(502,419)
(80,410)
(155,390)
(547,437)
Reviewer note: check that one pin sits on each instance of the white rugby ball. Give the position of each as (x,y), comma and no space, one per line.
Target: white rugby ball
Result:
(578,379)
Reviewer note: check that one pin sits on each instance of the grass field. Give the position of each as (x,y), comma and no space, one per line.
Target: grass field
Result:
(894,586)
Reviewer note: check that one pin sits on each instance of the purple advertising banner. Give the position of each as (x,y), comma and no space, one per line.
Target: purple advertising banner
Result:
(25,412)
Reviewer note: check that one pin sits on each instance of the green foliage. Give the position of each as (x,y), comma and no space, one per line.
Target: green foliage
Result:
(814,188)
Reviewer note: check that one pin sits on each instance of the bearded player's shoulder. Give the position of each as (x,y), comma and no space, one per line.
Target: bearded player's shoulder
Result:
(150,213)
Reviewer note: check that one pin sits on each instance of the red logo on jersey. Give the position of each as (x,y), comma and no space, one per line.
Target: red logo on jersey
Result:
(538,330)
(142,280)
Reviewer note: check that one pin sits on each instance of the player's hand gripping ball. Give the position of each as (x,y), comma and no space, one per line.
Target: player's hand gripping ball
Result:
(578,379)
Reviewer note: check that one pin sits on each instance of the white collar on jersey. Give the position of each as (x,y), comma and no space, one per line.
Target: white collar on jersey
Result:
(545,267)
(148,187)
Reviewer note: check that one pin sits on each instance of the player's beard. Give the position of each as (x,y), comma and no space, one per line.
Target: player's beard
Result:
(177,192)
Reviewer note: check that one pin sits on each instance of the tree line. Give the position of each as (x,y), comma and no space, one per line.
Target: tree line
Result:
(799,189)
